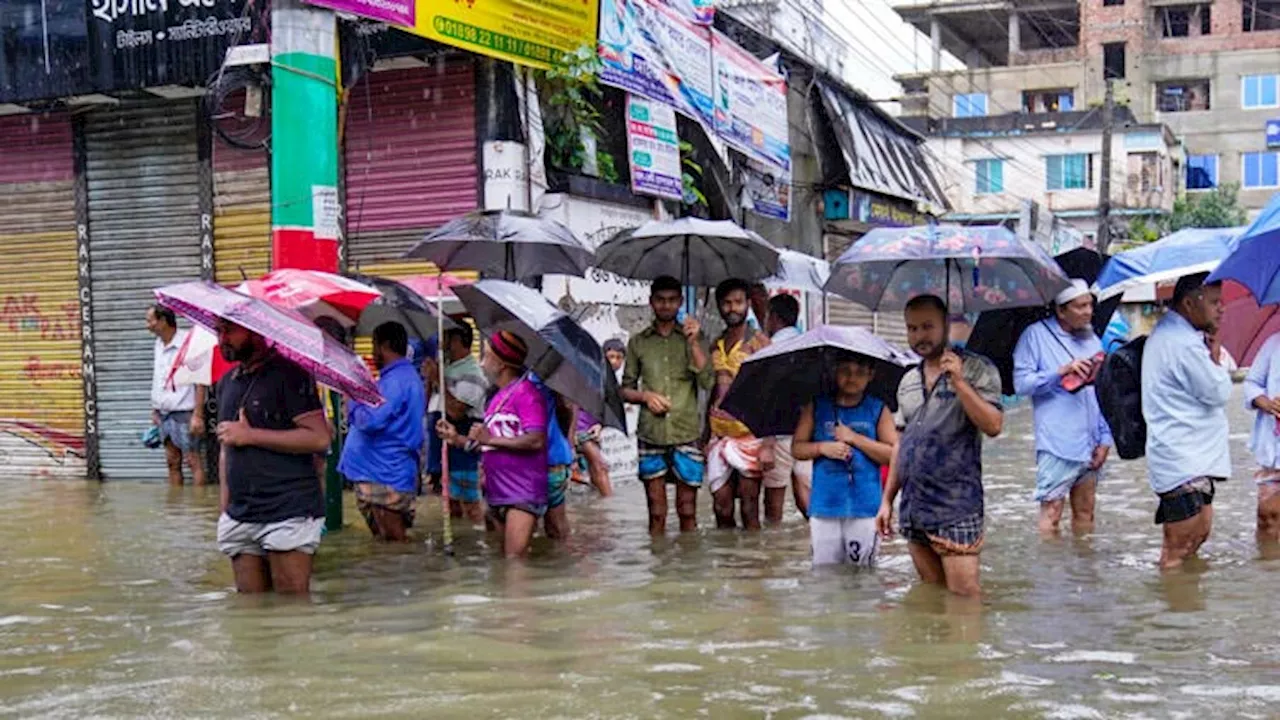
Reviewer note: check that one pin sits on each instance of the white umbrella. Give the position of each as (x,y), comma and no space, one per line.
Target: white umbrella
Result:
(799,271)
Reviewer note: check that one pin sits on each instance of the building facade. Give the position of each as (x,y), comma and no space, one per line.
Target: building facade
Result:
(1210,72)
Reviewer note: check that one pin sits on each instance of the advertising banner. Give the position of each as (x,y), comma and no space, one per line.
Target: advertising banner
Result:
(766,190)
(654,149)
(536,33)
(395,12)
(651,50)
(751,103)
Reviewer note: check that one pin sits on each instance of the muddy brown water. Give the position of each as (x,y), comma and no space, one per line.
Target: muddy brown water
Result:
(115,603)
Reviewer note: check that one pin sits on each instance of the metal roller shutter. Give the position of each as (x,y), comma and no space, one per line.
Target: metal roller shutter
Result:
(241,212)
(144,231)
(41,397)
(888,325)
(409,156)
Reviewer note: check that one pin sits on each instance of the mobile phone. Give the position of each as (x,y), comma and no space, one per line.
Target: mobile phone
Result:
(680,316)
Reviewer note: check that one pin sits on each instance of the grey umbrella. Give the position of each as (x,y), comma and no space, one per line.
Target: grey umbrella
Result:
(561,352)
(507,244)
(698,252)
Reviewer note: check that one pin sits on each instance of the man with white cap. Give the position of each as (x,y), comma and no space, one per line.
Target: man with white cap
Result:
(1054,364)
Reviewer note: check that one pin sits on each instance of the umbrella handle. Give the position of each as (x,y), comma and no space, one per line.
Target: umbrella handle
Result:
(444,447)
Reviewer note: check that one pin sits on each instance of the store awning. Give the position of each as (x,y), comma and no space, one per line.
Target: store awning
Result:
(881,155)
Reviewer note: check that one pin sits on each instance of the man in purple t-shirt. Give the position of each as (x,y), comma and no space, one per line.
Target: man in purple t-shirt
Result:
(513,441)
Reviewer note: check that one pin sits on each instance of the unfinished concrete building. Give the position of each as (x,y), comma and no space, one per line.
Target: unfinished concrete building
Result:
(1209,70)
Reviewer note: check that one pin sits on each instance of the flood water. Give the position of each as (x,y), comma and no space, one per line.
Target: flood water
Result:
(115,603)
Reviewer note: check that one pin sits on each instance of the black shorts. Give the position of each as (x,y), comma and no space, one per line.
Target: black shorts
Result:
(1185,501)
(498,513)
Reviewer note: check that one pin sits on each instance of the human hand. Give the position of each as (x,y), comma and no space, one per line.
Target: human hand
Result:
(235,433)
(657,404)
(1075,367)
(691,328)
(197,424)
(952,365)
(480,434)
(884,519)
(835,451)
(845,434)
(1099,457)
(768,458)
(447,432)
(155,418)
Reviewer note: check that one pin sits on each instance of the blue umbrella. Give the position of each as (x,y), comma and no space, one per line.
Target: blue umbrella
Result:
(1185,252)
(973,268)
(1256,262)
(774,383)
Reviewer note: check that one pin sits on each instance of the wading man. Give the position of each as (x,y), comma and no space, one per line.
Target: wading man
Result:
(1184,401)
(945,406)
(1262,395)
(787,471)
(383,451)
(177,411)
(271,425)
(736,461)
(513,438)
(666,364)
(1072,438)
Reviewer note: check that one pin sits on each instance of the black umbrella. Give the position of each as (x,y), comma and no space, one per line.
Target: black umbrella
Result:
(508,244)
(997,331)
(774,383)
(397,304)
(561,352)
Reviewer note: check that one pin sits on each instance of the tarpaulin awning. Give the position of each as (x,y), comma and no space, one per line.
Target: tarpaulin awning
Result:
(881,155)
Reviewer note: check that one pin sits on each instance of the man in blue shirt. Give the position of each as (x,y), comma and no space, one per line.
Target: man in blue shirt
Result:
(384,444)
(1184,401)
(1262,395)
(1072,438)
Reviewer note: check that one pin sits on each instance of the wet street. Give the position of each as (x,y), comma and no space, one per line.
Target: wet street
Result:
(115,603)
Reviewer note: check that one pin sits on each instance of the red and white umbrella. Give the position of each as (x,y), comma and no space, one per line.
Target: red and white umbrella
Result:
(313,294)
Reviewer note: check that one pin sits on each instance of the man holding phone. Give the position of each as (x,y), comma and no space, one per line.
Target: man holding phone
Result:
(1054,364)
(666,364)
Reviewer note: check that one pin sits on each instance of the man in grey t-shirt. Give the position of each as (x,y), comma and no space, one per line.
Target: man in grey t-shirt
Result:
(944,407)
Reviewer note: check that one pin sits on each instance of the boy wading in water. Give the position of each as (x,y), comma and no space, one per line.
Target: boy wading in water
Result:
(848,435)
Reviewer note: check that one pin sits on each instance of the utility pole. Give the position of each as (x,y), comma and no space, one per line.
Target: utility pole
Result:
(304,165)
(1104,182)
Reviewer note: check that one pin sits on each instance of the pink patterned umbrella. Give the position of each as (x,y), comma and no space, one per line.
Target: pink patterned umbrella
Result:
(292,335)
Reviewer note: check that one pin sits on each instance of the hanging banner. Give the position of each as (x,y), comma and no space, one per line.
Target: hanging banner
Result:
(536,33)
(751,103)
(654,149)
(651,50)
(702,12)
(766,190)
(394,12)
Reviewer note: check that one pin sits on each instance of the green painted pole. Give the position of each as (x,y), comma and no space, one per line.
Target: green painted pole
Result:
(304,167)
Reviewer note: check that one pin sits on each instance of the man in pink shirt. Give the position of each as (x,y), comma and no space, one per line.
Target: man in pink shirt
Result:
(513,442)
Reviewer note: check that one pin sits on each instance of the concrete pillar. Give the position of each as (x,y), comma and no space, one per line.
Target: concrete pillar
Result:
(1015,35)
(935,35)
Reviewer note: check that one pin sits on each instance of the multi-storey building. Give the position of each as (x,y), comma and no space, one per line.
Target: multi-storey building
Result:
(1209,71)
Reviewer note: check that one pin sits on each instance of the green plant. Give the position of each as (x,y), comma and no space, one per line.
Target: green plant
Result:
(570,95)
(691,179)
(1217,208)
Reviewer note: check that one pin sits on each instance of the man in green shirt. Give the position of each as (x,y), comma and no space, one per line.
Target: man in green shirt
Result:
(666,365)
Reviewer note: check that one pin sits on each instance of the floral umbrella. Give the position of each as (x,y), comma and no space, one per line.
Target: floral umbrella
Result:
(292,335)
(972,268)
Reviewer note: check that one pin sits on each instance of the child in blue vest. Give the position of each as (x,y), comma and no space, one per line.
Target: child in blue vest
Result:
(849,436)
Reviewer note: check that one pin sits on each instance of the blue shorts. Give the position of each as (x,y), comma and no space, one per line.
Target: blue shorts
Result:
(685,462)
(464,485)
(1056,477)
(175,427)
(557,484)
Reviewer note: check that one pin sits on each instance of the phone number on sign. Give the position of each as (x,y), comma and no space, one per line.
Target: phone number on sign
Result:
(495,41)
